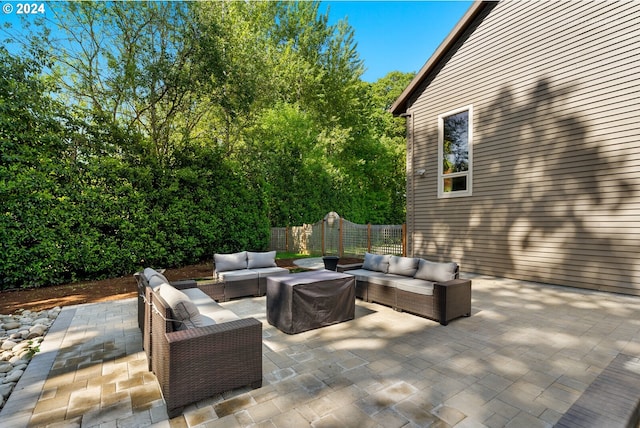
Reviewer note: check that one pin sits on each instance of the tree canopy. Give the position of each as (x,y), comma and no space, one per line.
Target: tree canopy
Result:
(158,133)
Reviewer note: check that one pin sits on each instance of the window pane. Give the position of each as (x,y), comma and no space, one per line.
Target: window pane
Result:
(455,184)
(456,143)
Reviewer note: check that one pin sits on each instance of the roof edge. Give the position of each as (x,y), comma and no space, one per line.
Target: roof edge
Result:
(399,106)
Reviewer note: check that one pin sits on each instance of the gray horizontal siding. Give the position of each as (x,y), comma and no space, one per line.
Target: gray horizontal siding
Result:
(555,88)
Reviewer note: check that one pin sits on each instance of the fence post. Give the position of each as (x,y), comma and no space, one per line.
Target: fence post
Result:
(340,244)
(286,239)
(323,253)
(404,239)
(368,237)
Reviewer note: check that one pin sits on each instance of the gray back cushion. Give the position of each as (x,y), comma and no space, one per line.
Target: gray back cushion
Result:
(185,312)
(406,266)
(261,260)
(154,278)
(376,262)
(437,272)
(226,262)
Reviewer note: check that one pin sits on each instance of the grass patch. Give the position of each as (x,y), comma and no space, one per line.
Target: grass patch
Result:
(286,255)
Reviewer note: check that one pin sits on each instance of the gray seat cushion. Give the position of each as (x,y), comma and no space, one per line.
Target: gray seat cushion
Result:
(210,311)
(270,271)
(236,275)
(374,277)
(418,286)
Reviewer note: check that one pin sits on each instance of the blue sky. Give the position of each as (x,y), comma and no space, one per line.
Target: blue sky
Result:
(397,35)
(391,35)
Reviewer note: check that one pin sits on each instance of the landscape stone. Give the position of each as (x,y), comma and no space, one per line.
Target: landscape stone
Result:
(8,345)
(11,325)
(13,376)
(20,334)
(5,390)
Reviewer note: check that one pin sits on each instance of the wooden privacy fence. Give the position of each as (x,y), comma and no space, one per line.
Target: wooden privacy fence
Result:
(334,235)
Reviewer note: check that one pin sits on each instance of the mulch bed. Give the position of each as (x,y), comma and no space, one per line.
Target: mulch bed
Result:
(42,298)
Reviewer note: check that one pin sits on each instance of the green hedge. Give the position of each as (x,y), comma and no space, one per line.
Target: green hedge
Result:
(103,225)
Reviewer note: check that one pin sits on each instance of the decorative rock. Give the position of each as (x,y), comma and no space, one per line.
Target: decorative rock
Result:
(7,345)
(19,347)
(21,366)
(26,321)
(13,376)
(38,329)
(5,390)
(10,325)
(20,336)
(20,359)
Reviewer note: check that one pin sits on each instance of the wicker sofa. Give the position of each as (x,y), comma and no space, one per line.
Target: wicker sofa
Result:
(429,289)
(245,273)
(197,347)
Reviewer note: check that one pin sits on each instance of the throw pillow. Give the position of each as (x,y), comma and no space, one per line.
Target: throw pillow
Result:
(406,266)
(184,310)
(226,262)
(436,272)
(376,262)
(261,260)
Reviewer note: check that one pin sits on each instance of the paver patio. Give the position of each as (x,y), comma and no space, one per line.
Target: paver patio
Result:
(524,356)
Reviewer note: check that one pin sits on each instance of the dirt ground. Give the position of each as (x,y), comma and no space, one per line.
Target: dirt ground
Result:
(101,291)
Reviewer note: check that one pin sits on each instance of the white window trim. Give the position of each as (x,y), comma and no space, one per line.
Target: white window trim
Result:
(469,173)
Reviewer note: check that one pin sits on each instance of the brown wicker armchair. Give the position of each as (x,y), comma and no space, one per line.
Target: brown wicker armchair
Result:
(200,362)
(144,312)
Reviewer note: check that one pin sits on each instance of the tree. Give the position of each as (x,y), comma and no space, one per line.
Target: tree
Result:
(131,63)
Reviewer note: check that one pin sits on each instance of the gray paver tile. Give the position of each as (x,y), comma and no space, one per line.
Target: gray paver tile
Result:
(516,361)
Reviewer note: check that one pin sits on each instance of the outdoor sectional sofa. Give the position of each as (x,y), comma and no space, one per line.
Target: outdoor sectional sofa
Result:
(197,347)
(245,273)
(432,290)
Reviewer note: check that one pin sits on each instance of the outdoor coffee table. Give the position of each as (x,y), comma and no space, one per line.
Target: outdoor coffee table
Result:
(303,301)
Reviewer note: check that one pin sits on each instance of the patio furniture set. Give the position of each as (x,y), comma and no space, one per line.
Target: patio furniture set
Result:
(197,348)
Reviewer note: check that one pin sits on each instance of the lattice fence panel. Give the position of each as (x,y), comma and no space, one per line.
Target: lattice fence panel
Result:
(386,239)
(354,238)
(336,236)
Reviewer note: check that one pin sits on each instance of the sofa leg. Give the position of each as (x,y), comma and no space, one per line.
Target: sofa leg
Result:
(173,413)
(444,322)
(256,385)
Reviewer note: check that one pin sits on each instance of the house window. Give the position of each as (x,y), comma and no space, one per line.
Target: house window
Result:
(454,153)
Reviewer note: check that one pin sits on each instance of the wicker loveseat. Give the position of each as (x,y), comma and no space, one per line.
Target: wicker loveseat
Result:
(245,273)
(198,348)
(432,290)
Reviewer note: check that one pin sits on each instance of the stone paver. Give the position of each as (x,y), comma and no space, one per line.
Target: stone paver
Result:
(523,358)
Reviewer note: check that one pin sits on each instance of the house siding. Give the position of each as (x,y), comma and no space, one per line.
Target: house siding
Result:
(555,89)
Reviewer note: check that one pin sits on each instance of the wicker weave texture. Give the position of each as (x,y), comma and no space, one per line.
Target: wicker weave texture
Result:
(450,300)
(198,363)
(381,294)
